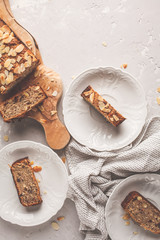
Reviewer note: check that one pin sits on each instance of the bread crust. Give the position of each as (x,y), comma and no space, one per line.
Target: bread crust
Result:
(102,106)
(22,194)
(145,206)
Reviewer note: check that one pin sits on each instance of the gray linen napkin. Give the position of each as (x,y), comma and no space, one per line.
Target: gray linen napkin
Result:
(95,174)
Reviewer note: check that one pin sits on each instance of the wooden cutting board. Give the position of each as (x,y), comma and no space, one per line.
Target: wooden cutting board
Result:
(56,133)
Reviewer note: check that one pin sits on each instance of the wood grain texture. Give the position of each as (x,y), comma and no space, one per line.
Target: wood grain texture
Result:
(56,133)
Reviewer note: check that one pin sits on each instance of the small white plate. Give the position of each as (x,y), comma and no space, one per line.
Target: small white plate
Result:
(146,184)
(87,126)
(53,183)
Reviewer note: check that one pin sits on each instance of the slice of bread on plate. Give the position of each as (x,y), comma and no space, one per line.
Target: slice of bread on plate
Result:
(25,182)
(142,211)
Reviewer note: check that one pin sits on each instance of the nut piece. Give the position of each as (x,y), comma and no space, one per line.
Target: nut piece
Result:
(139,198)
(101,105)
(145,205)
(91,97)
(54,94)
(55,225)
(19,48)
(7,63)
(107,110)
(6,138)
(87,93)
(116,118)
(53,112)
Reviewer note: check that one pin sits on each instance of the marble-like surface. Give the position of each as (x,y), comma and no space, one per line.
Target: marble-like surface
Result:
(74,36)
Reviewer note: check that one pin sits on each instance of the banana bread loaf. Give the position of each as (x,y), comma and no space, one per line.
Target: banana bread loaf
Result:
(16,60)
(143,212)
(18,105)
(102,106)
(26,183)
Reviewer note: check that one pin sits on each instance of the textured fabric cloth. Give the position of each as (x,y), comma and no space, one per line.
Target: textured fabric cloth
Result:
(93,175)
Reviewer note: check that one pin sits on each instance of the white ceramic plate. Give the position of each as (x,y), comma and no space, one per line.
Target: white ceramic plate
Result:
(146,184)
(53,183)
(118,88)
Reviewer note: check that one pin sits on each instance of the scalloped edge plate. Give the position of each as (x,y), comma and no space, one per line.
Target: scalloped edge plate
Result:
(92,130)
(53,183)
(147,184)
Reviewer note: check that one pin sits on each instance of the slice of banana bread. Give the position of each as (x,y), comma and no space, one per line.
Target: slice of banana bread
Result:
(25,182)
(18,105)
(102,106)
(16,60)
(143,212)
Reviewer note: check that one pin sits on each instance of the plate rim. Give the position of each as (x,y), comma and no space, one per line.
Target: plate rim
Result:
(103,68)
(60,162)
(141,175)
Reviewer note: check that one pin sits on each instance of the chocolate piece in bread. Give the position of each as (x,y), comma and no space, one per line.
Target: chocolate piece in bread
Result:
(102,106)
(142,211)
(25,182)
(21,103)
(16,59)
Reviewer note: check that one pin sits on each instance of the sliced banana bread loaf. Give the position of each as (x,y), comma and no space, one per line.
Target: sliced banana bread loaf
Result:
(102,106)
(16,60)
(26,183)
(21,103)
(143,212)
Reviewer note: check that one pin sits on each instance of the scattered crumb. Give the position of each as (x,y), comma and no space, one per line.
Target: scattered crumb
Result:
(55,226)
(63,159)
(126,216)
(38,180)
(121,66)
(158,89)
(60,218)
(54,94)
(104,44)
(37,168)
(45,192)
(31,163)
(6,138)
(135,233)
(158,100)
(125,65)
(127,223)
(73,77)
(43,120)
